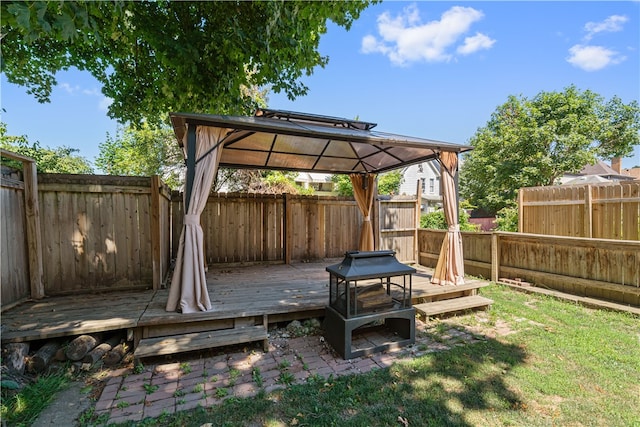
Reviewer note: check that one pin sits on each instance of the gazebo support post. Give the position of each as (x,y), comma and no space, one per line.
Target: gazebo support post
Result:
(191,164)
(456,179)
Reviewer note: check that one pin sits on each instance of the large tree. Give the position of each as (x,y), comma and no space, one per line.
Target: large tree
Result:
(153,57)
(532,142)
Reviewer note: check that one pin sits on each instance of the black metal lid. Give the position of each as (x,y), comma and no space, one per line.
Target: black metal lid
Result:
(359,265)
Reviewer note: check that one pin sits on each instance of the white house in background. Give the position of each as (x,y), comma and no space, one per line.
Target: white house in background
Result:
(320,182)
(428,173)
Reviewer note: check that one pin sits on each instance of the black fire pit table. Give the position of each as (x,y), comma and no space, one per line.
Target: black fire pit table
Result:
(365,289)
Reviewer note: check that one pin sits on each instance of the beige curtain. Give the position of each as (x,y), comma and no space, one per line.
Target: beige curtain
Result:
(450,267)
(364,198)
(188,291)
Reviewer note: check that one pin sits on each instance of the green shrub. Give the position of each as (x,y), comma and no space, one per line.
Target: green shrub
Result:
(507,219)
(436,220)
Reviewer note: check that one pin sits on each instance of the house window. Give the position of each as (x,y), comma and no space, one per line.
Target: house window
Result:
(432,183)
(423,184)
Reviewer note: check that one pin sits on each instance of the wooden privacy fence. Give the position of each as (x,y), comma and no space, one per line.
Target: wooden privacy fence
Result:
(15,260)
(97,233)
(603,211)
(249,227)
(104,232)
(398,220)
(241,227)
(476,248)
(598,268)
(20,240)
(101,233)
(320,227)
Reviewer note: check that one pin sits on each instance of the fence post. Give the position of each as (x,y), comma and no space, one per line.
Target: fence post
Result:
(287,230)
(34,237)
(495,257)
(588,212)
(156,259)
(520,210)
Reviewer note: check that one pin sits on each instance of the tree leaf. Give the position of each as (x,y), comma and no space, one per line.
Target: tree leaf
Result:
(67,26)
(22,14)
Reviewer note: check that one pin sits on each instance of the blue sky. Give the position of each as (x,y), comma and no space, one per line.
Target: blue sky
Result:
(435,70)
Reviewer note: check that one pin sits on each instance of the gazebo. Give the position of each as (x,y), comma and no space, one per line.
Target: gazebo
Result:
(294,141)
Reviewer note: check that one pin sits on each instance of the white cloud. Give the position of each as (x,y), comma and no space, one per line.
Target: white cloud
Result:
(475,43)
(613,23)
(593,58)
(105,103)
(406,39)
(91,92)
(68,88)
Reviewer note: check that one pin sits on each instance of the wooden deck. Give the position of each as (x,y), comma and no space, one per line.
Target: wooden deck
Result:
(241,295)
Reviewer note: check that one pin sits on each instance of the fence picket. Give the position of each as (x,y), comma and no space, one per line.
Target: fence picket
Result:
(605,211)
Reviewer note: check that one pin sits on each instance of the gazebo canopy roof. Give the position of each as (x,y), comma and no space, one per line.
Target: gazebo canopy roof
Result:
(286,140)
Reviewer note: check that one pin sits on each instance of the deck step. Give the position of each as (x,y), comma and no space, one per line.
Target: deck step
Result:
(148,347)
(437,292)
(452,305)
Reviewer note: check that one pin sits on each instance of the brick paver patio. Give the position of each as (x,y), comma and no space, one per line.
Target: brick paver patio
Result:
(178,386)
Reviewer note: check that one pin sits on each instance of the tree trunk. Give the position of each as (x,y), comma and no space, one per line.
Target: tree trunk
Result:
(79,347)
(43,356)
(14,357)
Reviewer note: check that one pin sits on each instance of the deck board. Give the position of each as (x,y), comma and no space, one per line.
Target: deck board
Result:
(252,290)
(198,341)
(278,290)
(63,316)
(453,305)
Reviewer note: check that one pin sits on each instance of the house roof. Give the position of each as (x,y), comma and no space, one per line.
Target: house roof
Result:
(602,169)
(287,140)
